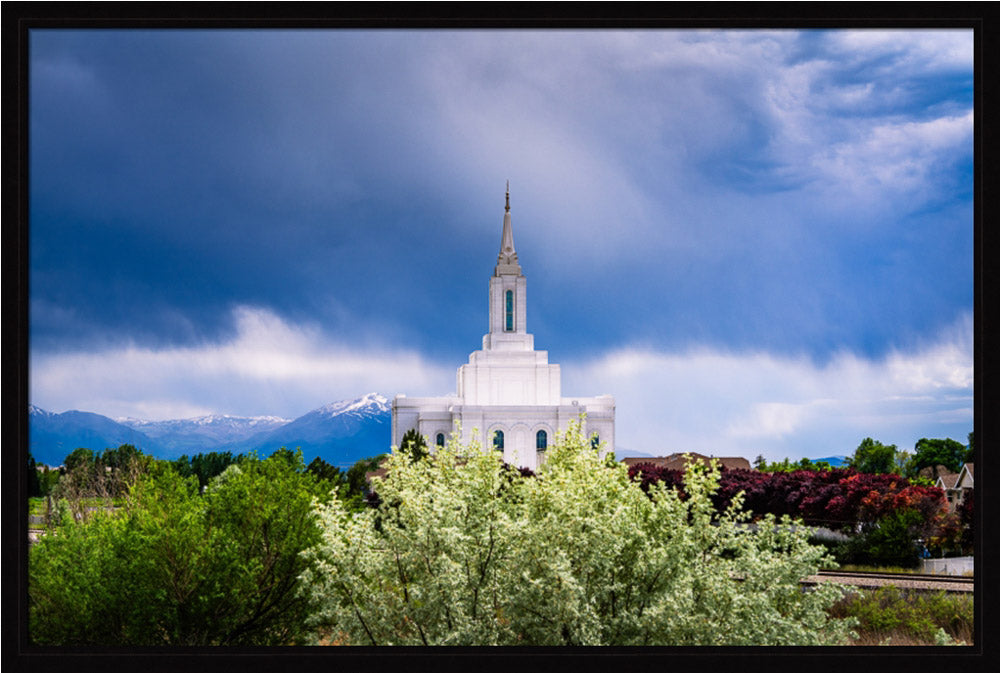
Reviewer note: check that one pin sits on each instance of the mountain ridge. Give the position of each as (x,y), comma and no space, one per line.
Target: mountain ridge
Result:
(341,432)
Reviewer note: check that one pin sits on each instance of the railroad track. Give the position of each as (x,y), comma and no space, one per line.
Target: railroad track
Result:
(913,581)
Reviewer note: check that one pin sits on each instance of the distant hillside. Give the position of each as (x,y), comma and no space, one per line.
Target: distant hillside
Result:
(622,452)
(835,461)
(51,437)
(340,433)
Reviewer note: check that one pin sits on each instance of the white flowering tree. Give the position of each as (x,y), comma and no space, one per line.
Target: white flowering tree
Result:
(463,552)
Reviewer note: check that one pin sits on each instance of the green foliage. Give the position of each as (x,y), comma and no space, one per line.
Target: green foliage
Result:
(80,457)
(120,458)
(463,552)
(891,542)
(354,491)
(920,616)
(34,483)
(205,466)
(934,452)
(785,465)
(182,568)
(414,444)
(904,465)
(873,457)
(324,471)
(90,482)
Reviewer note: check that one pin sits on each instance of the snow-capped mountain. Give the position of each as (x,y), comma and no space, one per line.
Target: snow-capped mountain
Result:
(206,432)
(38,411)
(370,406)
(341,433)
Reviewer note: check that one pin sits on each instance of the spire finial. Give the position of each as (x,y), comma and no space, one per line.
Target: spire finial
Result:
(507,207)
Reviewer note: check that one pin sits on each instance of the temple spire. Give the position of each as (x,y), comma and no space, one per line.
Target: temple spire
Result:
(507,260)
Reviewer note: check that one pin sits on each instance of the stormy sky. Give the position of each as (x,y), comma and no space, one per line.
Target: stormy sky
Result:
(758,241)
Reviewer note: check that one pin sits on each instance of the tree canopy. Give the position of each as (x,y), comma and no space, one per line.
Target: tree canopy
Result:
(874,457)
(934,452)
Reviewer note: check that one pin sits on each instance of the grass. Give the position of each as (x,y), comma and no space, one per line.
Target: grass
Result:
(850,567)
(39,506)
(892,616)
(36,506)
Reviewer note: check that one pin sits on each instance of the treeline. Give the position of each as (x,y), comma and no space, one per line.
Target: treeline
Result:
(874,457)
(88,475)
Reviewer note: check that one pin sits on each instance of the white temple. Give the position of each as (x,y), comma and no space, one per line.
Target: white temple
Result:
(509,396)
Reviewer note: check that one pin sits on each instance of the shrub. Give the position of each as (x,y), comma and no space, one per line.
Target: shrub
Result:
(182,568)
(890,614)
(459,552)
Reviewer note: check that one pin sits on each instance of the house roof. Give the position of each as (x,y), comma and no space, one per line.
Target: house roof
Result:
(947,481)
(677,461)
(965,477)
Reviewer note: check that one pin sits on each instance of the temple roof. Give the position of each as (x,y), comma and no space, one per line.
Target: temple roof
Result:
(507,259)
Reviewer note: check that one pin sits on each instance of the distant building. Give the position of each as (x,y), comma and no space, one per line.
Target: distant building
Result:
(677,461)
(508,397)
(956,485)
(946,482)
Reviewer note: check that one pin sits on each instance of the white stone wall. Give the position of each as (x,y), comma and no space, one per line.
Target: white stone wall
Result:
(519,423)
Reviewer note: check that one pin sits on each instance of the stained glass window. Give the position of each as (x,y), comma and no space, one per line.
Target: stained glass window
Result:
(440,439)
(595,441)
(509,325)
(541,440)
(498,440)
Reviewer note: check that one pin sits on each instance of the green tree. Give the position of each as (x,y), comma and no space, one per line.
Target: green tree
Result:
(934,452)
(34,483)
(324,471)
(904,464)
(80,457)
(414,444)
(891,542)
(462,552)
(181,567)
(874,457)
(970,452)
(355,486)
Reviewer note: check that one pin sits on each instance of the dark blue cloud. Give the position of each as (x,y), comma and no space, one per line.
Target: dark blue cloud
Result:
(175,175)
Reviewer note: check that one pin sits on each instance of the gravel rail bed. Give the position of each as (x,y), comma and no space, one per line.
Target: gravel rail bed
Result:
(914,582)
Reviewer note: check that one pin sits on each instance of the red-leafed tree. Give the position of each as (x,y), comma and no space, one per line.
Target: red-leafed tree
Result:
(837,498)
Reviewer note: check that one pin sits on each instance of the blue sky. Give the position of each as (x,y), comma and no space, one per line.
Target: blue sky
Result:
(758,241)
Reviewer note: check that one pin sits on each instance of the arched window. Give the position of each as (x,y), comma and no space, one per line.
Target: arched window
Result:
(509,313)
(440,439)
(595,441)
(541,440)
(498,440)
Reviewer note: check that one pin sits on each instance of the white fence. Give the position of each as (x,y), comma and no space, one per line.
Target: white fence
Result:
(960,565)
